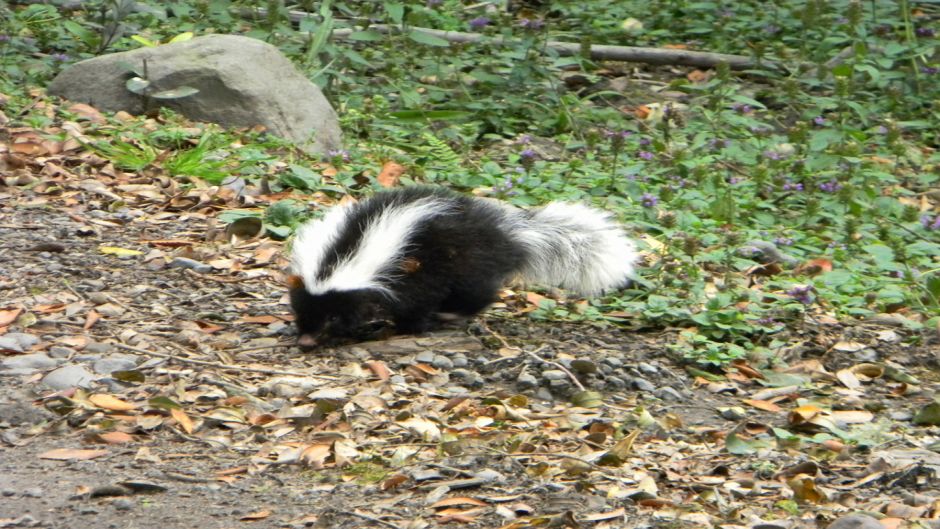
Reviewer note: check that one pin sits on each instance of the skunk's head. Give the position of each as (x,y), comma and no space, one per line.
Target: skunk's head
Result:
(339,315)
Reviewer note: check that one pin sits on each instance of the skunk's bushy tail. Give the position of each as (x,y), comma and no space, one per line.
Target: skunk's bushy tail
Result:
(575,247)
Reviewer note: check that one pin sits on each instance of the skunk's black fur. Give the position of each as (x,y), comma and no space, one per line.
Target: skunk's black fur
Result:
(394,262)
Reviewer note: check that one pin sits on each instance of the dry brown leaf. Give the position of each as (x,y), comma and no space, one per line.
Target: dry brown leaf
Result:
(255,516)
(390,174)
(87,112)
(182,419)
(8,316)
(601,516)
(110,402)
(762,405)
(805,490)
(315,456)
(392,482)
(458,500)
(379,369)
(116,438)
(72,454)
(91,318)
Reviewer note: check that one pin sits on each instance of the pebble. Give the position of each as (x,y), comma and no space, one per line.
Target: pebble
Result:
(25,340)
(856,521)
(192,264)
(669,394)
(9,344)
(642,384)
(526,380)
(425,357)
(27,364)
(647,369)
(115,362)
(69,377)
(99,348)
(612,361)
(544,394)
(98,298)
(123,504)
(442,362)
(94,284)
(57,351)
(460,360)
(583,365)
(397,379)
(554,374)
(558,385)
(616,383)
(33,492)
(7,492)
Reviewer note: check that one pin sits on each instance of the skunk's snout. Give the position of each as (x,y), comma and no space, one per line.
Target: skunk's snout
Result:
(307,341)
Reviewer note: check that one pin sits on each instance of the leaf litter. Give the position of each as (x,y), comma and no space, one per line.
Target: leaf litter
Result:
(414,431)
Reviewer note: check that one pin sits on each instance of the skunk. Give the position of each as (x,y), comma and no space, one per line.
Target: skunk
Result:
(399,261)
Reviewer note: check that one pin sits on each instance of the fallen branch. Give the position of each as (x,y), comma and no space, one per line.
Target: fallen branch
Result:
(698,59)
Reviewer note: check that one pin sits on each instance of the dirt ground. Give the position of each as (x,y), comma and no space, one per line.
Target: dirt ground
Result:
(143,390)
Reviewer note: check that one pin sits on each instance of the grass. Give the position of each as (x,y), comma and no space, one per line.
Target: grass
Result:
(832,164)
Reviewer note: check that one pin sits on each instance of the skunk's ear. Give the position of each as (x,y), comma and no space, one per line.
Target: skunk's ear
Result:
(295,281)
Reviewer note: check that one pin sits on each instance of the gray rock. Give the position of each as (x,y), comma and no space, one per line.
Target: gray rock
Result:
(7,492)
(669,394)
(98,348)
(612,361)
(25,340)
(460,360)
(642,384)
(526,380)
(425,357)
(647,369)
(69,377)
(123,504)
(616,383)
(856,521)
(57,351)
(115,362)
(242,82)
(554,374)
(33,492)
(191,264)
(9,344)
(442,362)
(28,363)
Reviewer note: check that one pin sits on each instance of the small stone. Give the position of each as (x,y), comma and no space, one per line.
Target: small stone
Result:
(87,509)
(544,394)
(460,360)
(647,369)
(425,357)
(856,521)
(33,492)
(669,394)
(901,415)
(642,384)
(98,348)
(9,344)
(612,361)
(123,504)
(94,284)
(442,362)
(68,377)
(397,379)
(616,383)
(25,340)
(57,351)
(28,363)
(558,385)
(735,413)
(191,264)
(7,492)
(98,298)
(554,374)
(526,380)
(115,362)
(866,355)
(584,366)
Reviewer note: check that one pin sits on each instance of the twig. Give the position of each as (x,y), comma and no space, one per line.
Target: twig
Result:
(219,365)
(699,59)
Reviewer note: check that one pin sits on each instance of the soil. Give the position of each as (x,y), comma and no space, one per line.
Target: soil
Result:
(216,420)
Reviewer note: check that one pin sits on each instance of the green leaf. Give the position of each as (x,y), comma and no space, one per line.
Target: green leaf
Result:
(396,11)
(137,85)
(737,446)
(426,38)
(145,41)
(428,115)
(182,37)
(232,215)
(929,415)
(164,403)
(365,36)
(175,93)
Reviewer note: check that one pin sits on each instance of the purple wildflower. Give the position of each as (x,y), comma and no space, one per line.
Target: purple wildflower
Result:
(645,141)
(773,155)
(790,185)
(929,70)
(525,139)
(925,32)
(742,108)
(61,57)
(479,23)
(836,246)
(649,200)
(767,321)
(4,38)
(527,158)
(734,180)
(338,155)
(718,143)
(801,293)
(618,134)
(819,121)
(930,224)
(783,241)
(830,187)
(527,153)
(771,29)
(646,155)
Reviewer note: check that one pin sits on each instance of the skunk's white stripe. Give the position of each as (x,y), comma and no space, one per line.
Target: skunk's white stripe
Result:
(576,247)
(384,239)
(313,239)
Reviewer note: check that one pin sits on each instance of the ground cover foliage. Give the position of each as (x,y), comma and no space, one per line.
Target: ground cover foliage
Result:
(788,212)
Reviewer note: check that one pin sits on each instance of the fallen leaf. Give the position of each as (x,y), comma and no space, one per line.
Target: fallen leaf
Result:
(110,402)
(8,316)
(259,515)
(116,438)
(390,174)
(182,419)
(72,454)
(119,252)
